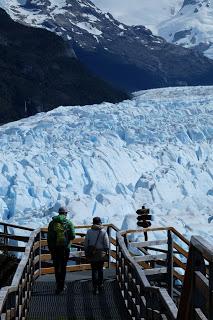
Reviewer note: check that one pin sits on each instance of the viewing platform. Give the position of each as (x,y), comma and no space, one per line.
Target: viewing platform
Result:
(164,277)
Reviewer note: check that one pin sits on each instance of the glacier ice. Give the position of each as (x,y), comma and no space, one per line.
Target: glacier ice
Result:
(108,160)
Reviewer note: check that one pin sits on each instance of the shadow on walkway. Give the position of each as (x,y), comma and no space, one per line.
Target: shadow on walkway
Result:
(77,302)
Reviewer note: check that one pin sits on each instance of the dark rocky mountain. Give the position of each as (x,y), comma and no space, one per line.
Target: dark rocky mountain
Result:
(192,2)
(130,57)
(38,72)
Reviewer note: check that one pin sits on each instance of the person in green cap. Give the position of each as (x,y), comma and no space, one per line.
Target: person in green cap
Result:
(60,232)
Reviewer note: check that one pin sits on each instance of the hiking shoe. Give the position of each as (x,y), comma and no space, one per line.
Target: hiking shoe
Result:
(60,289)
(57,291)
(95,291)
(101,288)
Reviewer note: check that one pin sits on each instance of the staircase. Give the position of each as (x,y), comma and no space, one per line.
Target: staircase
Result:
(77,300)
(143,279)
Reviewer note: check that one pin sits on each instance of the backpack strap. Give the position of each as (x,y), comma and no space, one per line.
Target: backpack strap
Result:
(97,238)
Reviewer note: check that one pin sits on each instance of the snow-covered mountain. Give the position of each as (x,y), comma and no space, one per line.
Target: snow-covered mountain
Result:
(148,13)
(192,26)
(184,22)
(108,160)
(129,57)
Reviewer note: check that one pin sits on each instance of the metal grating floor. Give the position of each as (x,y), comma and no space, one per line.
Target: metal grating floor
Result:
(77,302)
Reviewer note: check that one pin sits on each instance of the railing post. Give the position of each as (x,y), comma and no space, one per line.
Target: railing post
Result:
(109,230)
(211,291)
(40,253)
(5,238)
(198,264)
(118,261)
(11,304)
(125,240)
(170,264)
(190,299)
(149,302)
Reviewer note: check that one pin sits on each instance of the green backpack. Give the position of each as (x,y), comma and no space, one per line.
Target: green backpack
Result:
(61,234)
(57,235)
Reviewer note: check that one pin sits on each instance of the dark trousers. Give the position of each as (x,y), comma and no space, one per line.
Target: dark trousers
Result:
(97,273)
(60,257)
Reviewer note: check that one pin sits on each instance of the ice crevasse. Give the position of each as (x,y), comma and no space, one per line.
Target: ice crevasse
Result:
(108,160)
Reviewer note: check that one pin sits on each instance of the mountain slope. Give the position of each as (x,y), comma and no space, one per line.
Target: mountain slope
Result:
(130,57)
(38,72)
(108,160)
(191,26)
(184,22)
(139,12)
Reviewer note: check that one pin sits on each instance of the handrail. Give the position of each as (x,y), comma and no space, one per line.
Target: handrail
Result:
(15,291)
(15,226)
(197,296)
(23,262)
(14,237)
(123,232)
(139,295)
(177,233)
(88,226)
(5,235)
(128,257)
(142,299)
(179,250)
(180,236)
(205,248)
(14,299)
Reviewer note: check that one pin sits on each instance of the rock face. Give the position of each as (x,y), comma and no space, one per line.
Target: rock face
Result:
(130,57)
(191,26)
(38,72)
(147,13)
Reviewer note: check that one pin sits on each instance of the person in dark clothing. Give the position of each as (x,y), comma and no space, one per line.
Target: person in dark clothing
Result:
(60,233)
(98,237)
(60,258)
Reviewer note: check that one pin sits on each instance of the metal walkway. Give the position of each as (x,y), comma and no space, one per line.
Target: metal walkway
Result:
(139,275)
(77,302)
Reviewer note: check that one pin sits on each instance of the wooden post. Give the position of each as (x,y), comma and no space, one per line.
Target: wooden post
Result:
(211,291)
(198,264)
(109,235)
(40,252)
(189,300)
(143,219)
(170,264)
(5,238)
(117,260)
(125,240)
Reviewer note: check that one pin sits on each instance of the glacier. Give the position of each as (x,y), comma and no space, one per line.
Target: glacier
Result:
(108,160)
